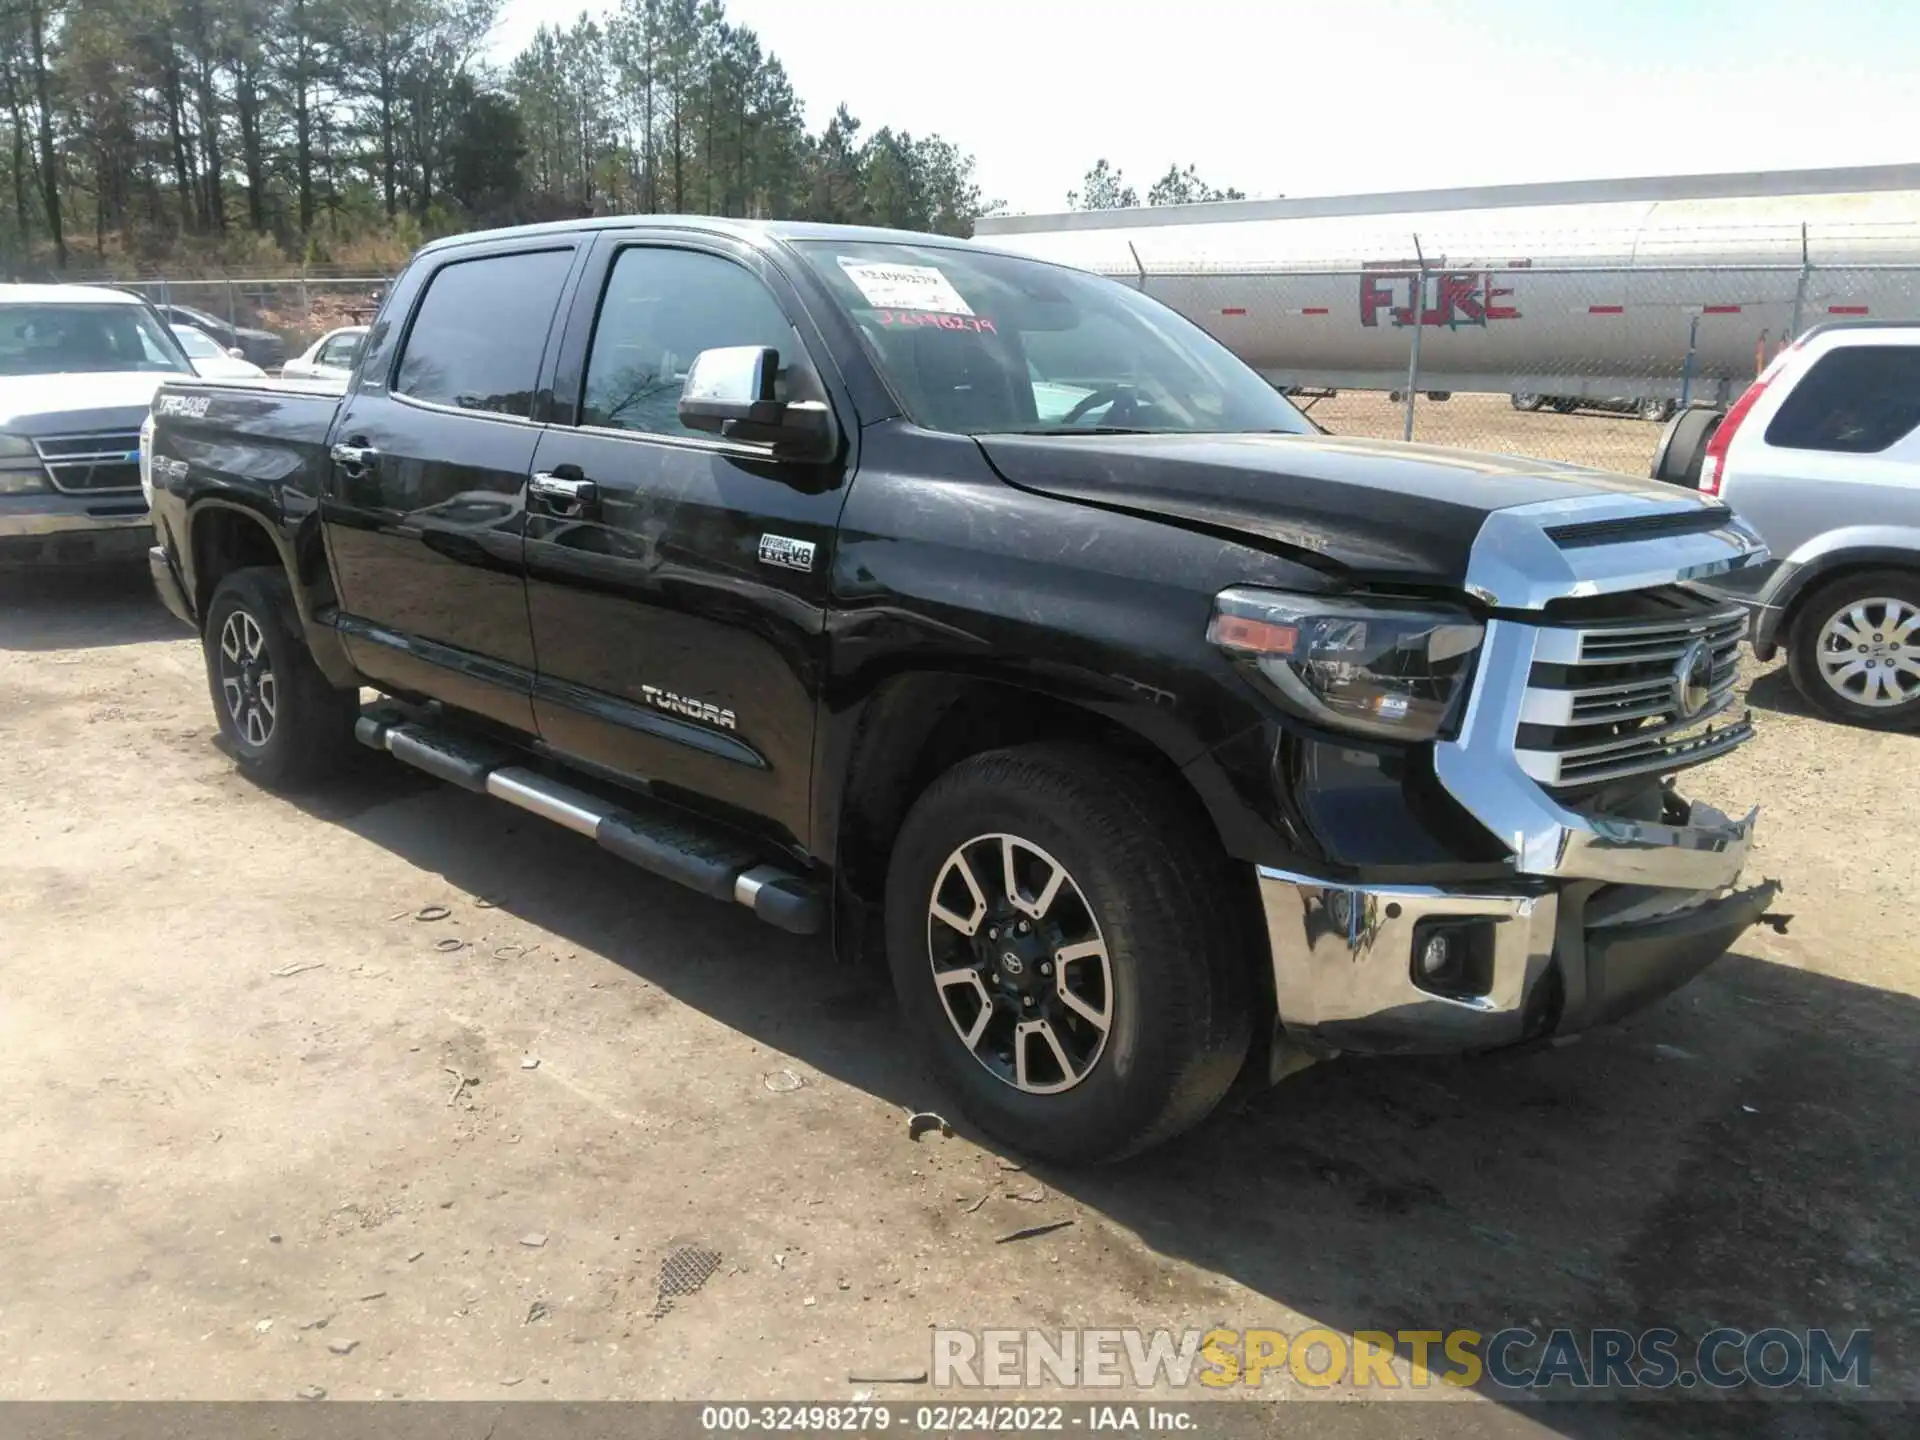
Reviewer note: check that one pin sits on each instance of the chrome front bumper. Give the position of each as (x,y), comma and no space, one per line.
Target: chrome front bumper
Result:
(1343,964)
(1345,956)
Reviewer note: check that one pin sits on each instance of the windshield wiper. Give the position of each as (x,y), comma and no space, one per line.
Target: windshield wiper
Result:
(1086,430)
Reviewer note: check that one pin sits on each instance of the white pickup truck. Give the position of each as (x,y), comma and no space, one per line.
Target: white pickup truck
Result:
(78,368)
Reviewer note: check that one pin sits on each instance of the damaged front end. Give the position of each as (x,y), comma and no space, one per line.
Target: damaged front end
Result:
(1602,675)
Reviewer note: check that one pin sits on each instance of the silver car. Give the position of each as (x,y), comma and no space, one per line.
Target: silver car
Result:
(1822,457)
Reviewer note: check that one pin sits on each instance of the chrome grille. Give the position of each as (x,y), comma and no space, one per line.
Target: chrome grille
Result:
(1605,701)
(91,464)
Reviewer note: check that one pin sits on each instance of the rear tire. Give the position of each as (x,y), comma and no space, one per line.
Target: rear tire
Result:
(1144,906)
(1871,619)
(1527,401)
(285,722)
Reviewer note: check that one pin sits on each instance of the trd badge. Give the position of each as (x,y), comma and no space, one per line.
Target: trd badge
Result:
(786,552)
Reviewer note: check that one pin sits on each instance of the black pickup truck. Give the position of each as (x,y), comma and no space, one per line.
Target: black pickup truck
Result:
(993,618)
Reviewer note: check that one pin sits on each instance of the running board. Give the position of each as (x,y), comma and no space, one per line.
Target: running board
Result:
(672,848)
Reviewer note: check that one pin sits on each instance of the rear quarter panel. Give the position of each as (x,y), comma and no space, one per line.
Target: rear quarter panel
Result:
(257,448)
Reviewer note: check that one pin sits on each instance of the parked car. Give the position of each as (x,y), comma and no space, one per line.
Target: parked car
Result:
(210,362)
(78,368)
(1647,407)
(996,618)
(1821,455)
(331,357)
(262,347)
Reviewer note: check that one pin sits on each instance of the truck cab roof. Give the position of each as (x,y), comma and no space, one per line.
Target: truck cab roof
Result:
(752,231)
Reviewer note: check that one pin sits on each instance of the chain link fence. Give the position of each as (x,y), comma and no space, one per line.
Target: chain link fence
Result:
(296,310)
(1569,346)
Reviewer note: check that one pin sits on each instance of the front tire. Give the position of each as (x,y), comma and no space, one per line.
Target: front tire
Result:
(284,721)
(1855,651)
(1064,943)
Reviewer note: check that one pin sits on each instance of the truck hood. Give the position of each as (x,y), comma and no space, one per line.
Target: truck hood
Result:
(76,403)
(1374,509)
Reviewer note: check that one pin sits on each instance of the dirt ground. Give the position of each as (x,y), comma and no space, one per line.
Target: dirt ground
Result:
(258,1105)
(1489,422)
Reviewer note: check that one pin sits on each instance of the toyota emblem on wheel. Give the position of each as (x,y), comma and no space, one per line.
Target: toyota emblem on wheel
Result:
(1693,678)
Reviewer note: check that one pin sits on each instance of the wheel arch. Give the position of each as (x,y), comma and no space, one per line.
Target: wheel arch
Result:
(1814,567)
(919,723)
(224,536)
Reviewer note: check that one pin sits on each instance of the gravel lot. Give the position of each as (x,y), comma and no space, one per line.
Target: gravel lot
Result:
(1489,422)
(258,1105)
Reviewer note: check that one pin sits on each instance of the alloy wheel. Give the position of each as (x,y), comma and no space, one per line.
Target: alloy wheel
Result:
(1019,963)
(1869,653)
(246,678)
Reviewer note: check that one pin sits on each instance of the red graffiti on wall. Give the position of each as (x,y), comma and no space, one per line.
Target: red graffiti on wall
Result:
(1449,298)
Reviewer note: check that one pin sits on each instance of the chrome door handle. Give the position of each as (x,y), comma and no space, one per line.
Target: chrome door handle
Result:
(563,496)
(354,457)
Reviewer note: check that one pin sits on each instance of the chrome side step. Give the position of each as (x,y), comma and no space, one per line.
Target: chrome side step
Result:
(668,846)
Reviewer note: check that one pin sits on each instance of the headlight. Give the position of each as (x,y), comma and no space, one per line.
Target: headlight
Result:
(146,458)
(1393,670)
(20,470)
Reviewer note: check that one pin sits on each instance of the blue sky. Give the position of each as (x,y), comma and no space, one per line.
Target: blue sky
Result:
(1296,98)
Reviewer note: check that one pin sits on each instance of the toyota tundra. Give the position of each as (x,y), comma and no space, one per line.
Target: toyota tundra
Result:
(993,618)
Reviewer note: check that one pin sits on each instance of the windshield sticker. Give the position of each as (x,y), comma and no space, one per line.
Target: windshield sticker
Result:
(897,319)
(905,287)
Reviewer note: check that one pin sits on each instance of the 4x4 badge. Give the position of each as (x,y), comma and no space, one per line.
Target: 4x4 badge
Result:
(786,552)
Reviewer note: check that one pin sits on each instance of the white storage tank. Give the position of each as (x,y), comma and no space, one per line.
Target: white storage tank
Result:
(1628,289)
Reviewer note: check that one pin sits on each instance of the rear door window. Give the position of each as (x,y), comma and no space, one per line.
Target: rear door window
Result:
(479,333)
(1856,401)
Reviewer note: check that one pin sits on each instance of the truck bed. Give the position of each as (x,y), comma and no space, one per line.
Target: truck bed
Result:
(264,441)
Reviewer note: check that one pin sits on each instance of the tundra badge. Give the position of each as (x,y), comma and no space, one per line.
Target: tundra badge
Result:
(785,552)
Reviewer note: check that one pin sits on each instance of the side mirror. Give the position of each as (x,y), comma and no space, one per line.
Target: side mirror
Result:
(236,352)
(730,392)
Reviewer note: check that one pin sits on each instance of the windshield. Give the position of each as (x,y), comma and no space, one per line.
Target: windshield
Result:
(978,343)
(78,338)
(197,345)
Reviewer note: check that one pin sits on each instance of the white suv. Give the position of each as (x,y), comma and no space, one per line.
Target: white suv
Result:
(1821,455)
